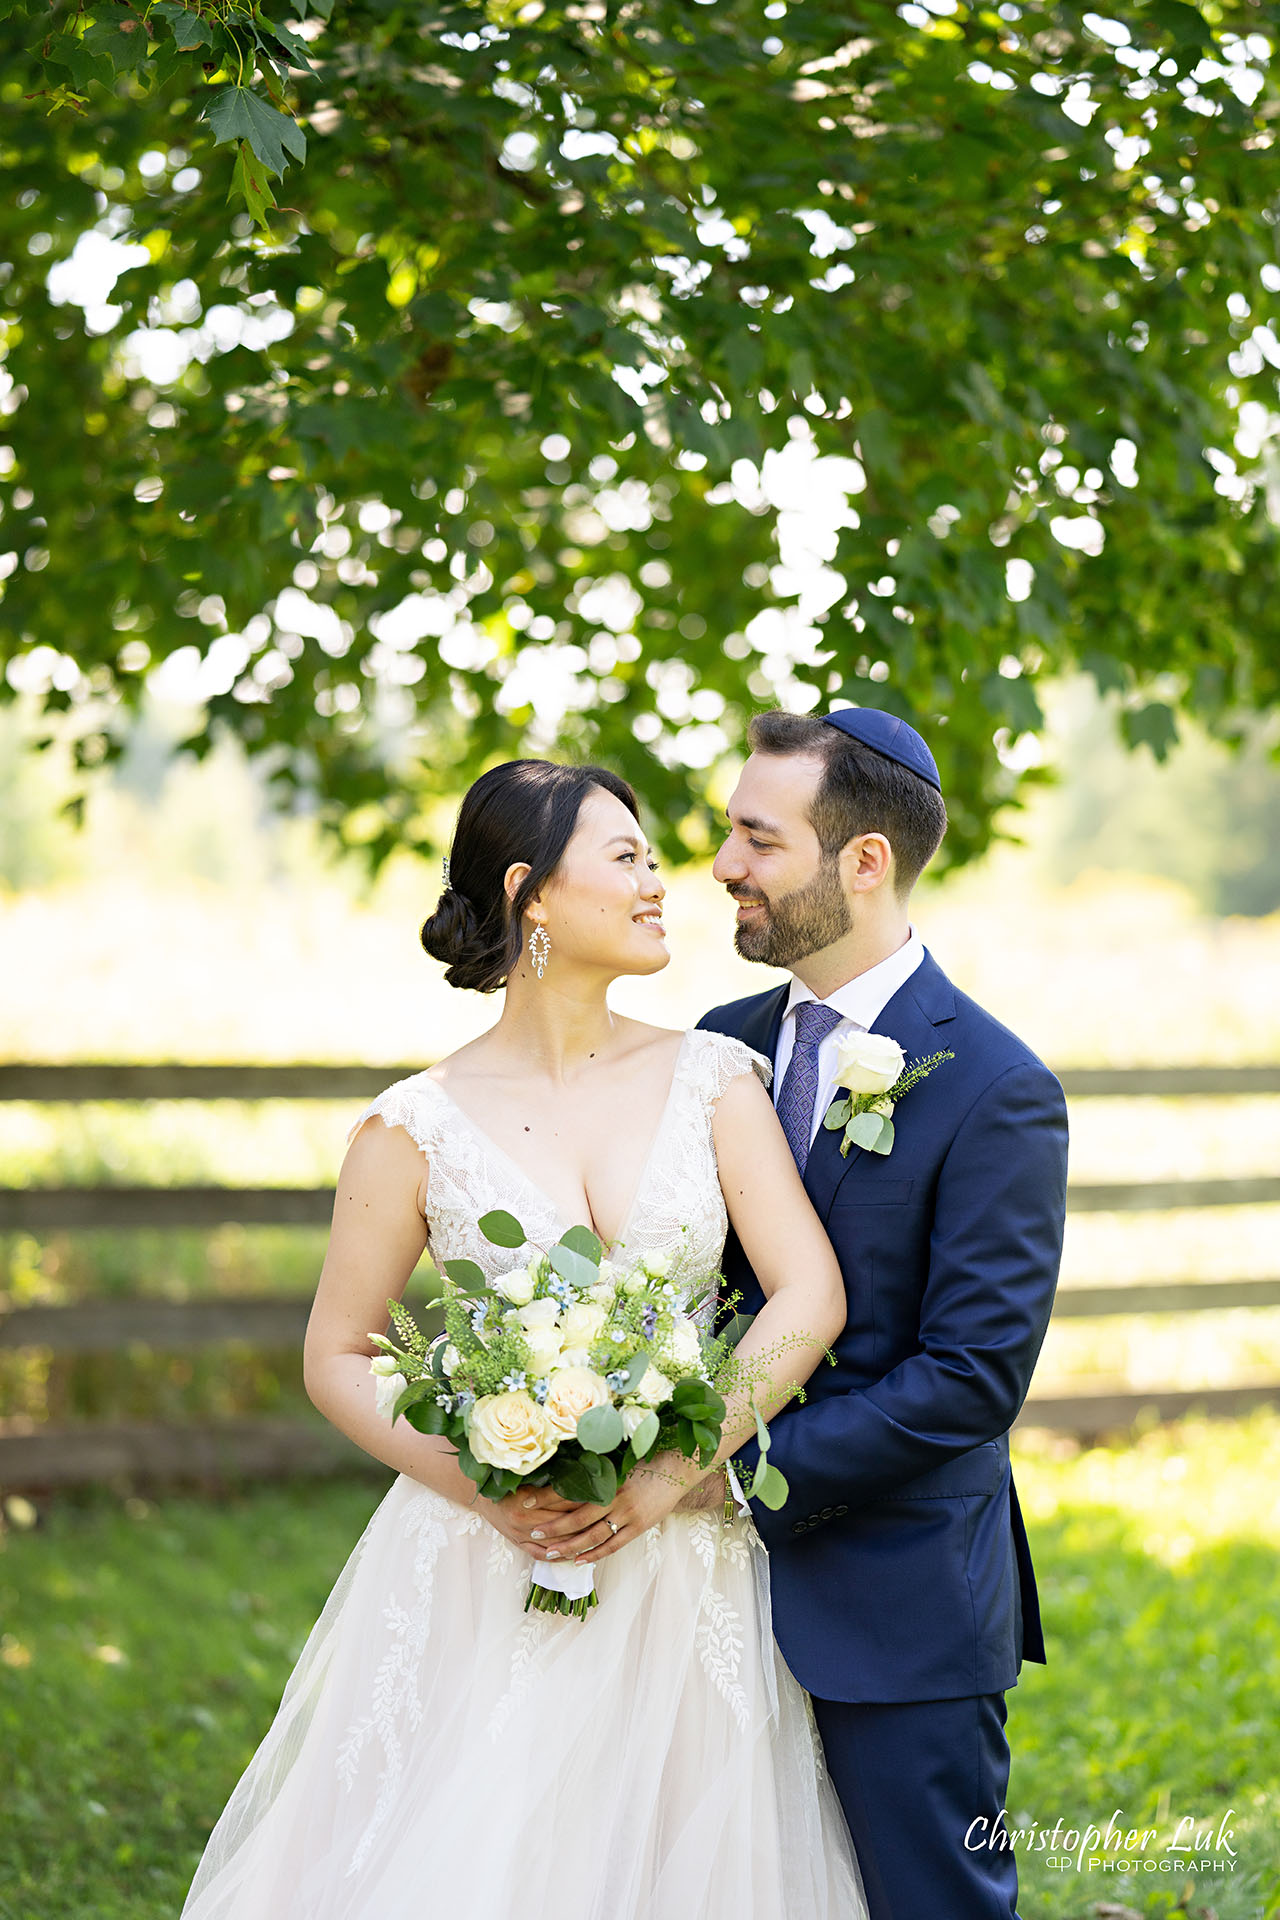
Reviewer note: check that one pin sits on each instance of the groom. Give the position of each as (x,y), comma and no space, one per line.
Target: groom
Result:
(903,1594)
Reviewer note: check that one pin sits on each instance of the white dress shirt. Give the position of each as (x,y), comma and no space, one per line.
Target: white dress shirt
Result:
(860,1002)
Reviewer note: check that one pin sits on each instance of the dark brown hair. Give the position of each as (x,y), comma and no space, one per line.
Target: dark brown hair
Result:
(524,810)
(861,791)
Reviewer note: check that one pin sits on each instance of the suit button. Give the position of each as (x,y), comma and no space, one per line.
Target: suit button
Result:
(798,1526)
(828,1513)
(840,1512)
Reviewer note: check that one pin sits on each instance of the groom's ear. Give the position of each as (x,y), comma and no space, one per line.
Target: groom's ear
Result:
(866,862)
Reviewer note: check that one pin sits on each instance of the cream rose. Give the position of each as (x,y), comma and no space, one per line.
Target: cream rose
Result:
(571,1392)
(632,1415)
(387,1388)
(516,1286)
(511,1430)
(657,1265)
(868,1062)
(539,1313)
(581,1324)
(654,1389)
(545,1348)
(602,1293)
(683,1345)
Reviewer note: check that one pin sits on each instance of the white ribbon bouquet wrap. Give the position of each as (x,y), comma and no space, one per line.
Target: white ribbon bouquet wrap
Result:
(565,1372)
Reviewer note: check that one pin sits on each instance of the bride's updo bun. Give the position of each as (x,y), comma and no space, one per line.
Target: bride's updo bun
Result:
(524,811)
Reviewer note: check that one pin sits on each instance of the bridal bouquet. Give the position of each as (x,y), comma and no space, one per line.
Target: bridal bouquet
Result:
(566,1372)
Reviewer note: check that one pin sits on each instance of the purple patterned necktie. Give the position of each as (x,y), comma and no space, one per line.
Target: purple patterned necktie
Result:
(799,1087)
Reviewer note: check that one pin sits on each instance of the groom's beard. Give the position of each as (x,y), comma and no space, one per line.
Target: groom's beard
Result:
(800,923)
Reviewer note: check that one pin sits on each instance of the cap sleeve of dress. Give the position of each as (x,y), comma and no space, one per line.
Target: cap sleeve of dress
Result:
(416,1104)
(717,1058)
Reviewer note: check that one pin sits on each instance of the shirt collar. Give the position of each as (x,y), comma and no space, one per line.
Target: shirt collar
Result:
(864,998)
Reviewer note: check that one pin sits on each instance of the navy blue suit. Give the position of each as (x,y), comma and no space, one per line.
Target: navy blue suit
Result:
(899,1564)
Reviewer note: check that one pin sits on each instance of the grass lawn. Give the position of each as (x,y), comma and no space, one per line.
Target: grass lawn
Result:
(143,1647)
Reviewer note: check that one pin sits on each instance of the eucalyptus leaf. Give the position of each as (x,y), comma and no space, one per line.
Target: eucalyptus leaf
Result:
(770,1488)
(645,1434)
(735,1327)
(885,1142)
(865,1129)
(501,1228)
(467,1274)
(837,1115)
(581,1240)
(573,1267)
(636,1368)
(600,1429)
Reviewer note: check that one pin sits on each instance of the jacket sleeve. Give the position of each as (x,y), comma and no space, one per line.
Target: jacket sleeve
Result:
(993,1266)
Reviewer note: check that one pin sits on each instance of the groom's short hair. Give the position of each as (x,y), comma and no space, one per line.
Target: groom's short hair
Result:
(861,791)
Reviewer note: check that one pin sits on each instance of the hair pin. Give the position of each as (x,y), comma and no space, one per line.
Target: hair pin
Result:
(444,871)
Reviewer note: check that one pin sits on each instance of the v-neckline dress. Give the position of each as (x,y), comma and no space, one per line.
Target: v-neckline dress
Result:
(440,1754)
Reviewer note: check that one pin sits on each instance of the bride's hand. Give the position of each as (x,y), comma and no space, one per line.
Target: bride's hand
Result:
(647,1497)
(534,1514)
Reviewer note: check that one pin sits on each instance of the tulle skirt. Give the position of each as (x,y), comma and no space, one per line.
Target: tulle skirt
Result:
(440,1754)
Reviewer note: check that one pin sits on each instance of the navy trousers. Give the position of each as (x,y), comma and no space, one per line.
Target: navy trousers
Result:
(913,1779)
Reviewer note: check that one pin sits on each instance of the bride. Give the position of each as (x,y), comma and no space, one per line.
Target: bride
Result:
(439,1753)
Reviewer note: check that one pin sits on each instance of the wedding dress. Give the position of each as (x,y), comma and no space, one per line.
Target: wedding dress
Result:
(440,1754)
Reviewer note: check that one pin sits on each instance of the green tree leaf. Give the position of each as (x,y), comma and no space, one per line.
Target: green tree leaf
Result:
(237,113)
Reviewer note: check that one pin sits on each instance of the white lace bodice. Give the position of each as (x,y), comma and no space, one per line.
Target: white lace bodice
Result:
(677,1210)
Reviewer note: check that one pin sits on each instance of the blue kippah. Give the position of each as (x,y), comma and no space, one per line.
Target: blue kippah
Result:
(890,736)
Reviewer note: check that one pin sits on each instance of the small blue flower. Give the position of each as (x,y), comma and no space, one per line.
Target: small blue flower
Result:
(513,1381)
(616,1381)
(617,1335)
(648,1322)
(464,1402)
(539,1390)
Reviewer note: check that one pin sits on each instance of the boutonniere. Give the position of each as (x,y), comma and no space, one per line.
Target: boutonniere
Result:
(872,1070)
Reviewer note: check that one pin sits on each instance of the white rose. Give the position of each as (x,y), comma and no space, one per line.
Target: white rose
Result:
(654,1389)
(581,1324)
(386,1364)
(571,1391)
(545,1348)
(684,1346)
(575,1357)
(387,1388)
(539,1313)
(602,1293)
(611,1272)
(516,1286)
(632,1414)
(657,1265)
(868,1062)
(511,1430)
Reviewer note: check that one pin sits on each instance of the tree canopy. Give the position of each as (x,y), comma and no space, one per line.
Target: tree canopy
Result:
(472,444)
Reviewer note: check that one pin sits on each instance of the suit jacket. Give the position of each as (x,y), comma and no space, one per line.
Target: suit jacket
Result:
(899,1563)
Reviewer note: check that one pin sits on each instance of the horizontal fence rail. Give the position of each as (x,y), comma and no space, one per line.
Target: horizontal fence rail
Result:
(111,1325)
(262,1447)
(108,1080)
(63,1209)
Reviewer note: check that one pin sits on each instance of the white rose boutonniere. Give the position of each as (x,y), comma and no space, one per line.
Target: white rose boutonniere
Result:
(872,1073)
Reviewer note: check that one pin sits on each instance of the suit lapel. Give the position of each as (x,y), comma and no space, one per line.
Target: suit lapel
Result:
(761,1026)
(923,1003)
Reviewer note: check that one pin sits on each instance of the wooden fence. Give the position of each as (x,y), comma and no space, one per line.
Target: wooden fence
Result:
(264,1447)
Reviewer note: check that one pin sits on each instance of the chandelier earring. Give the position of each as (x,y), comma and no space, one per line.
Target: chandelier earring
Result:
(539,950)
